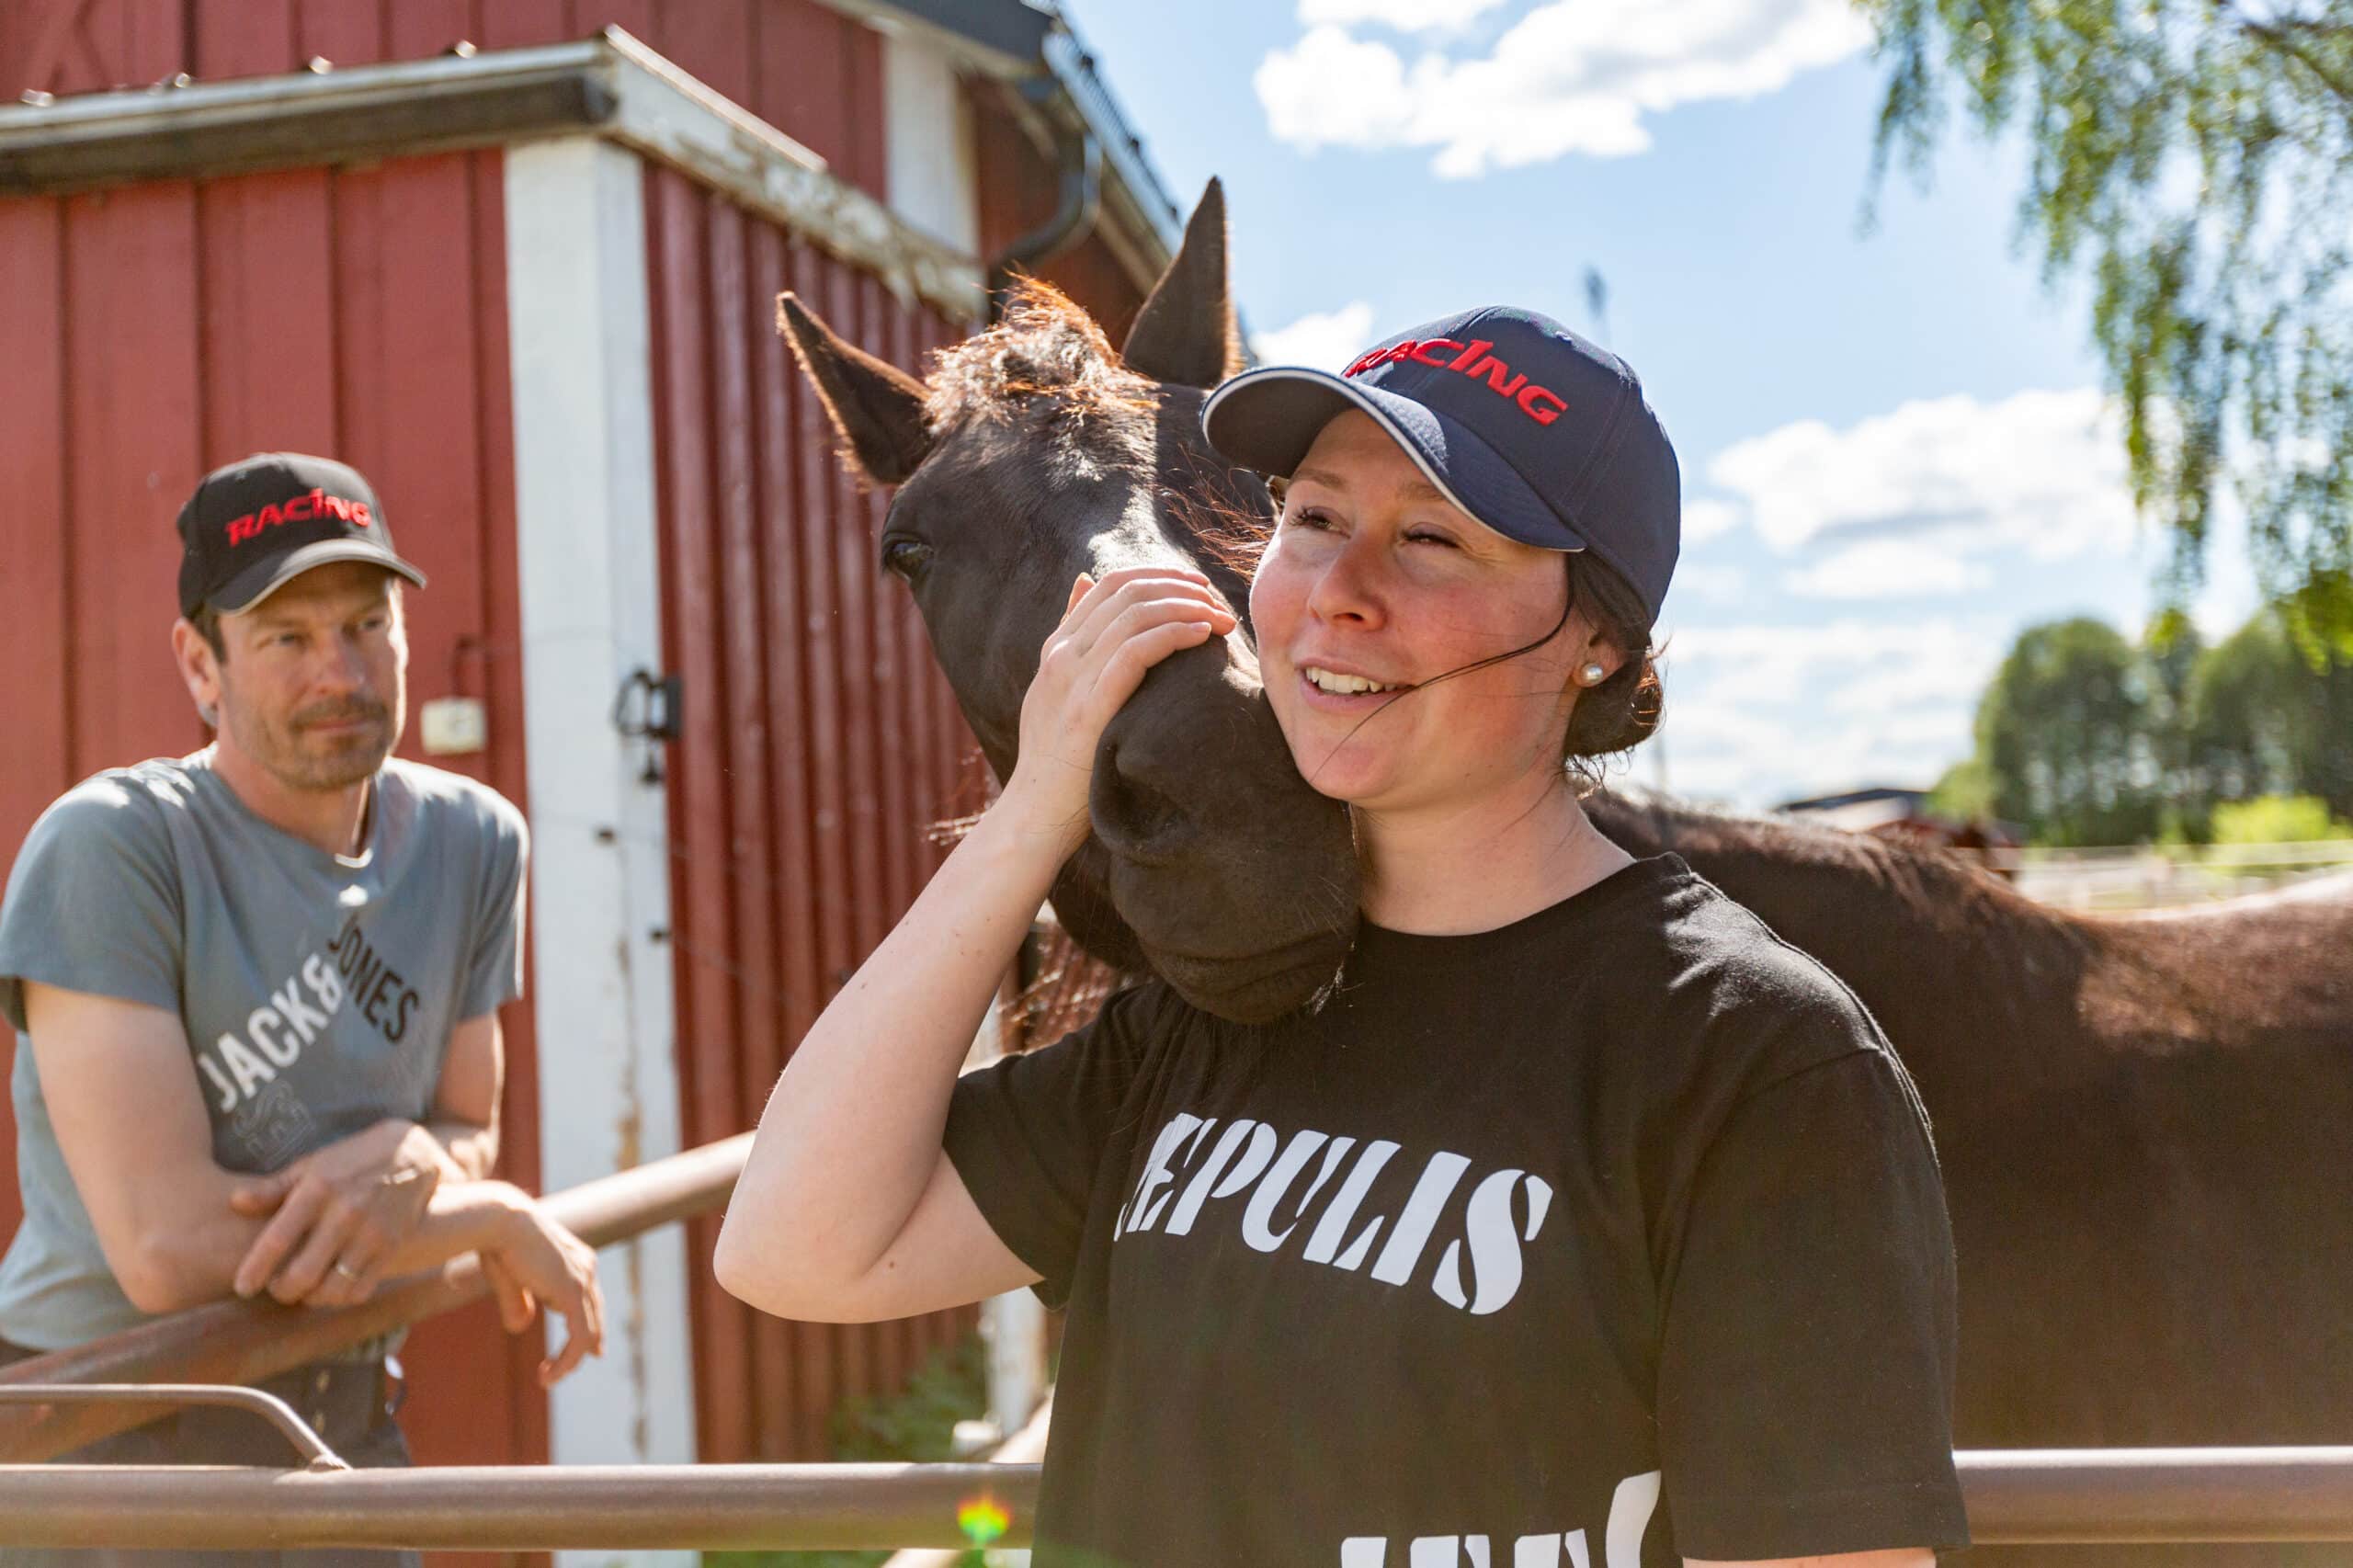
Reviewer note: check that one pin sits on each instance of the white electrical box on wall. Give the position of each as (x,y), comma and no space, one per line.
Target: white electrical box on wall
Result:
(451,726)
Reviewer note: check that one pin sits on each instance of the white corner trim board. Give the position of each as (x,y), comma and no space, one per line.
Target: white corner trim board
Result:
(579,336)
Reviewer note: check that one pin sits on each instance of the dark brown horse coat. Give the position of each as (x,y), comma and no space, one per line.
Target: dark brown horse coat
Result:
(2146,1123)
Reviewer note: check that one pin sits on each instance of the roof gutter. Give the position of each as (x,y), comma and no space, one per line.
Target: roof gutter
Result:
(1075,209)
(611,86)
(1028,47)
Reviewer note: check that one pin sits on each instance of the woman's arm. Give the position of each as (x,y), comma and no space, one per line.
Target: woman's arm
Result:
(847,1209)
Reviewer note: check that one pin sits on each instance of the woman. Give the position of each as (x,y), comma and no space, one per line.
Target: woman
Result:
(1586,1223)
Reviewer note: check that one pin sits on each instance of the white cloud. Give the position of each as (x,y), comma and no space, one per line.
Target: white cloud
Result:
(1405,16)
(1759,713)
(1812,664)
(1705,518)
(1571,76)
(1889,569)
(1707,582)
(2041,471)
(1326,341)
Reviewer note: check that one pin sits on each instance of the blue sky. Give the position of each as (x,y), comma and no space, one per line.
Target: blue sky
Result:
(1893,450)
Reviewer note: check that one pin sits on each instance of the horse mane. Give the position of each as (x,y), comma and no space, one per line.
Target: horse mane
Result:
(1046,354)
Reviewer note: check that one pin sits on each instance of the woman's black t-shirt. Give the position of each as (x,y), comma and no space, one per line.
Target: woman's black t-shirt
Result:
(1603,1239)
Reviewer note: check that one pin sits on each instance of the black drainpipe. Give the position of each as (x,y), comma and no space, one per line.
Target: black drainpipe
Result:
(1074,214)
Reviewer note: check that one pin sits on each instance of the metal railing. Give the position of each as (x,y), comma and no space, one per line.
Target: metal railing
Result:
(2014,1497)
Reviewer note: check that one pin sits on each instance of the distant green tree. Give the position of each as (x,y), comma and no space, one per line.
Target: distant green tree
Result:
(2062,732)
(2195,158)
(2261,721)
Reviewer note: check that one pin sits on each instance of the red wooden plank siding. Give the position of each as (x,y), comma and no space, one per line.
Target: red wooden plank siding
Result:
(712,41)
(419,29)
(781,1348)
(33,549)
(341,32)
(512,24)
(131,408)
(35,546)
(752,863)
(269,315)
(799,801)
(702,928)
(240,37)
(836,942)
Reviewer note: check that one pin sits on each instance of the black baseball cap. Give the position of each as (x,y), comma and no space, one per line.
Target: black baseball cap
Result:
(255,525)
(1539,434)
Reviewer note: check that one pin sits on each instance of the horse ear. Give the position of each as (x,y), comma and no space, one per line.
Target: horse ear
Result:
(876,407)
(1185,334)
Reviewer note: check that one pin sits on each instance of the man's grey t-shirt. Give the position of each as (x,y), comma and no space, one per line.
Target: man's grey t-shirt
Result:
(318,990)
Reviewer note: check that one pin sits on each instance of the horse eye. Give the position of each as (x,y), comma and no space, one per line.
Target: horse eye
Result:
(905,556)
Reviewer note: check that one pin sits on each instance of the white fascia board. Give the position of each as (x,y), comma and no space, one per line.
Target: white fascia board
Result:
(670,117)
(591,584)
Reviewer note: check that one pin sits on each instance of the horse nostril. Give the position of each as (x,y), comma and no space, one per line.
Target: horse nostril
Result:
(1132,814)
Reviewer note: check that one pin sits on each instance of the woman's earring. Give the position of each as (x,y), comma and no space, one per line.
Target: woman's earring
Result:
(1591,675)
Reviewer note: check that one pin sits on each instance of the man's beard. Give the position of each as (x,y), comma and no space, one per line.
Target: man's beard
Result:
(290,753)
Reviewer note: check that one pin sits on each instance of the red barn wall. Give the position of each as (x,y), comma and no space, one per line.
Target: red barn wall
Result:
(820,740)
(159,330)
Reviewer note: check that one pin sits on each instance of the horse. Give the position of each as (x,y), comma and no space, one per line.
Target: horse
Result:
(2143,1122)
(1035,452)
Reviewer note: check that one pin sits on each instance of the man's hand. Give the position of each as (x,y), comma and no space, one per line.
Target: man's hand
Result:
(338,1213)
(537,1261)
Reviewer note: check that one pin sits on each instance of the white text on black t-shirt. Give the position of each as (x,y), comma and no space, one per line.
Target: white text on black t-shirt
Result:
(1478,1270)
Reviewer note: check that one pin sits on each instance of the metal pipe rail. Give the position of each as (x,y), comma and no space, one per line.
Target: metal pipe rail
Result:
(244,1342)
(512,1508)
(2016,1497)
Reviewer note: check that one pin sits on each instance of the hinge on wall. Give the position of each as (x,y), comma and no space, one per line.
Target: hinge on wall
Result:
(650,708)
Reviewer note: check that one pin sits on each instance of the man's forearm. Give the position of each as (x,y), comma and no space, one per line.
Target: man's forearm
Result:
(472,1151)
(198,1261)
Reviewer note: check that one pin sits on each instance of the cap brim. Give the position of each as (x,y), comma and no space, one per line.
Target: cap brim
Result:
(264,578)
(1267,419)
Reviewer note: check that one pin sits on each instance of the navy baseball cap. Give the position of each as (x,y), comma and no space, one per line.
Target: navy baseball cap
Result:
(254,526)
(1539,434)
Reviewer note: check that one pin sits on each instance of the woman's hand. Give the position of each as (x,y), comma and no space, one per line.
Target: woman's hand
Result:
(537,1262)
(1111,632)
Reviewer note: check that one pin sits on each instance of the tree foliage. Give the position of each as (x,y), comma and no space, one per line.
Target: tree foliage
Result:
(2262,722)
(2062,733)
(2195,159)
(2082,738)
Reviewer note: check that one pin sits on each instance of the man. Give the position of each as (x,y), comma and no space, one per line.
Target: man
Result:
(258,990)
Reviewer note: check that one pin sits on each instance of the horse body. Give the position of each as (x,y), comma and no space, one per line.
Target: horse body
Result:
(2144,1126)
(2144,1123)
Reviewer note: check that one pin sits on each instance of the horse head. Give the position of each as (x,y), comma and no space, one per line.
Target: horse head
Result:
(1035,451)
